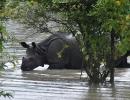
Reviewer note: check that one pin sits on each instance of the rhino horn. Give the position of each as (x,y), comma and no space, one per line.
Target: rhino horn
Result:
(24,44)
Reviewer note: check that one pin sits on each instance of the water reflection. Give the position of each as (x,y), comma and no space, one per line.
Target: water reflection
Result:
(42,84)
(61,85)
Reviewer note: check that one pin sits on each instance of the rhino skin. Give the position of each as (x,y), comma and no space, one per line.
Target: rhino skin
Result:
(59,51)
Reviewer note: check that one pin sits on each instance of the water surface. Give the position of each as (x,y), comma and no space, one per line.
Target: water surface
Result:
(44,84)
(62,85)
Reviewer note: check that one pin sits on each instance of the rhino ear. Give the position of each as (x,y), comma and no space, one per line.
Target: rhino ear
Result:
(33,44)
(24,44)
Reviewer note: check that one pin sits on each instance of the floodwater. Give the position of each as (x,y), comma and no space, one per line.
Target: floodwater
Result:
(42,84)
(61,85)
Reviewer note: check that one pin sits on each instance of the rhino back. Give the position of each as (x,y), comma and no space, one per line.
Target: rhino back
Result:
(58,52)
(71,55)
(62,48)
(76,55)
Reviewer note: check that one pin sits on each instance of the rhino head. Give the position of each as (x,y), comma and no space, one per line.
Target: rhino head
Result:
(35,56)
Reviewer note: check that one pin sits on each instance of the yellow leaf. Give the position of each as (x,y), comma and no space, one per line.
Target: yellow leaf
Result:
(118,2)
(127,17)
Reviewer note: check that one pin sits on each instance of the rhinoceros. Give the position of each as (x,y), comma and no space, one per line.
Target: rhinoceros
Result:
(59,51)
(122,62)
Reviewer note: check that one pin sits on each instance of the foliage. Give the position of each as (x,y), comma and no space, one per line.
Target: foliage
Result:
(3,35)
(114,14)
(5,94)
(2,28)
(90,21)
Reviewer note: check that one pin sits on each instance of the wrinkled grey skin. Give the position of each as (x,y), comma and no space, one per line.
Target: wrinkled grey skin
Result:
(59,51)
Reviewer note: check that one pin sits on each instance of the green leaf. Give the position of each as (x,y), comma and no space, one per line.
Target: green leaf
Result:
(1,46)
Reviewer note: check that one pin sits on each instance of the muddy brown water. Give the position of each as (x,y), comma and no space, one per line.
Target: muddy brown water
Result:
(42,84)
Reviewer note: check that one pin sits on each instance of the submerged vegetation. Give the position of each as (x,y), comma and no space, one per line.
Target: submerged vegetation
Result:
(101,28)
(5,94)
